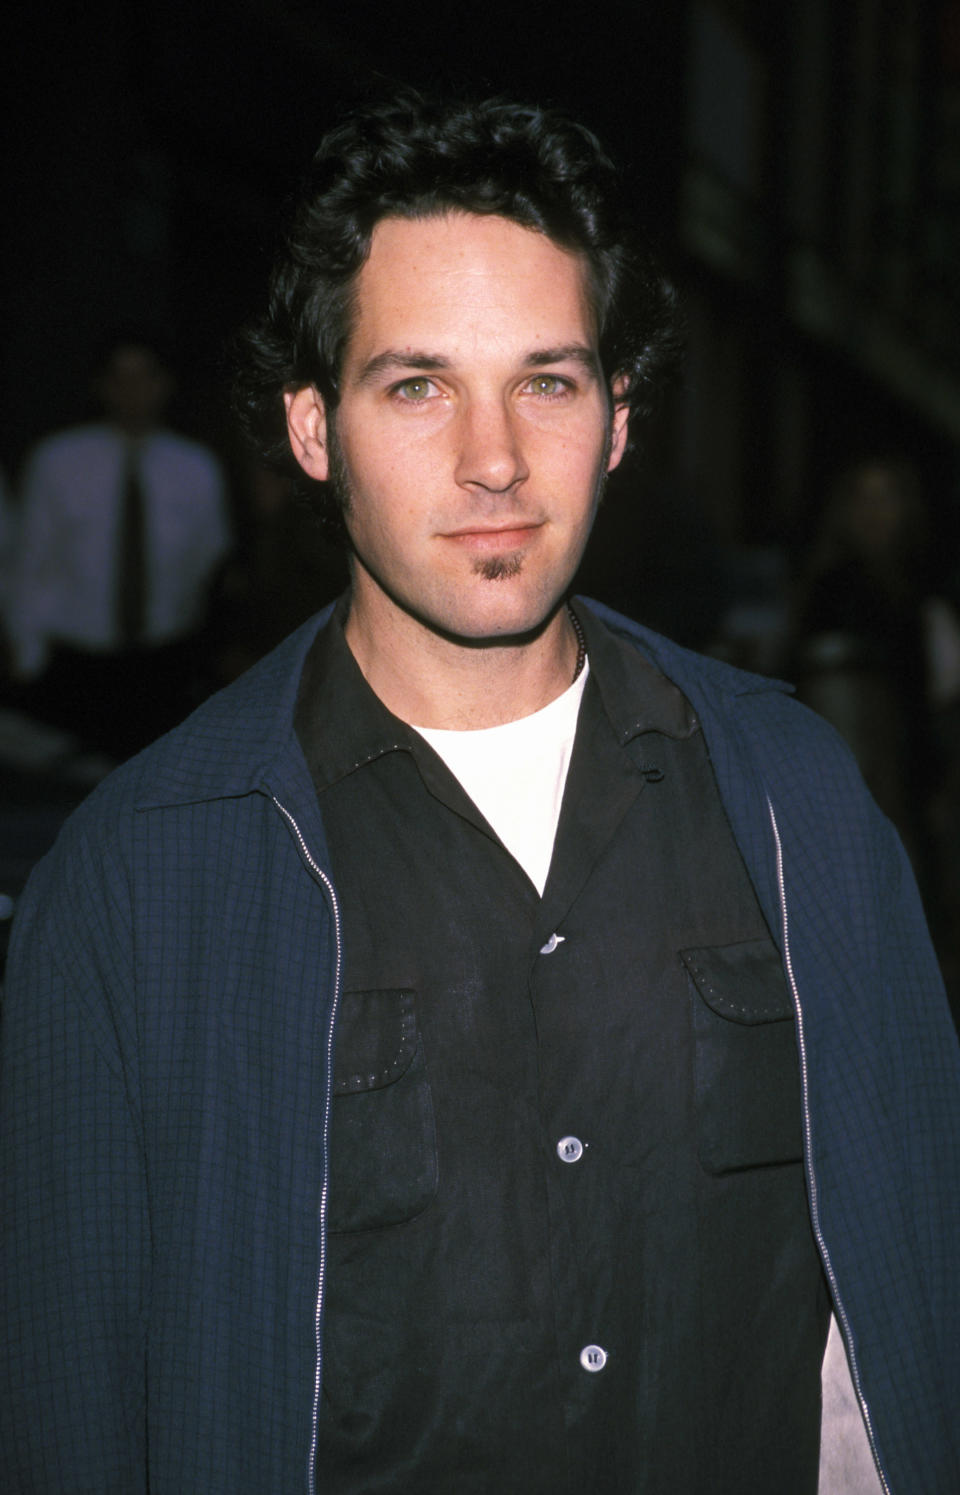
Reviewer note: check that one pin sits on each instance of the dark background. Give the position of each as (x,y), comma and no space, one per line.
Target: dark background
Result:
(798,165)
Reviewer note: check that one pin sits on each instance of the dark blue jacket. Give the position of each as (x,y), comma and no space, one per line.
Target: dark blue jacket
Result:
(168,1039)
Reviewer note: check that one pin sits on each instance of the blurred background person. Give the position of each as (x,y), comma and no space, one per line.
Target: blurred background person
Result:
(877,651)
(121,526)
(859,656)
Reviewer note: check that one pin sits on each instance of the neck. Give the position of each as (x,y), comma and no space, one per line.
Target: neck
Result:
(431,680)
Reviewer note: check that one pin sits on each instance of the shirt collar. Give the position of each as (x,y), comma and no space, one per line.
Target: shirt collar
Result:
(342,725)
(636,696)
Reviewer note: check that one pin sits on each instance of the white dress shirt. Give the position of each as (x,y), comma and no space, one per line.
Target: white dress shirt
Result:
(63,584)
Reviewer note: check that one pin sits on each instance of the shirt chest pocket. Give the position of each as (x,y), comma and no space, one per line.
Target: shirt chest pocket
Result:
(383,1151)
(746,1066)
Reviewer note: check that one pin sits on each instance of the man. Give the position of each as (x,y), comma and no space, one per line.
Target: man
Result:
(476,1051)
(123,523)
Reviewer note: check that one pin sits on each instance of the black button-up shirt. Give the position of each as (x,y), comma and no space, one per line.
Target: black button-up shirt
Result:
(569,1243)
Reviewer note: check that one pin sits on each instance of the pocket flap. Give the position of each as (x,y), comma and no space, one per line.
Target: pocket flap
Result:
(743,983)
(747,1070)
(376,1039)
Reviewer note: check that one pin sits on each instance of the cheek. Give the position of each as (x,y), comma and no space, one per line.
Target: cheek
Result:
(392,465)
(578,470)
(579,449)
(383,517)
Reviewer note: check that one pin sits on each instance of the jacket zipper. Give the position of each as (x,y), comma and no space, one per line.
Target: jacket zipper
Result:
(321,877)
(808,1154)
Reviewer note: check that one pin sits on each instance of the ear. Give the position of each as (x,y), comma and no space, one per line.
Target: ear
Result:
(621,419)
(307,429)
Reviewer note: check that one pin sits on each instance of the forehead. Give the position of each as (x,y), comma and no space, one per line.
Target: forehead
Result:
(467,281)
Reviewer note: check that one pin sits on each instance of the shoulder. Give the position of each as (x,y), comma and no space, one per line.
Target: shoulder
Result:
(66,448)
(748,717)
(173,826)
(228,747)
(700,675)
(680,663)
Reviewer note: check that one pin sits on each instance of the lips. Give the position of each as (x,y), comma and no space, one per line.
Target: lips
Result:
(505,537)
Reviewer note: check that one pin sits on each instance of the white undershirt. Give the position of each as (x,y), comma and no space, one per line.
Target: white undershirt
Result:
(515,774)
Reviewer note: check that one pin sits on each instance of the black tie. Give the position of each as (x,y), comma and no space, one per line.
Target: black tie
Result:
(131,556)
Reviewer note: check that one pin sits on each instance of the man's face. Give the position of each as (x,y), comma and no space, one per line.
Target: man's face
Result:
(473,431)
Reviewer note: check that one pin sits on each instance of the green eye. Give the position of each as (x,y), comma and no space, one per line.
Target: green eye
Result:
(546,384)
(414,389)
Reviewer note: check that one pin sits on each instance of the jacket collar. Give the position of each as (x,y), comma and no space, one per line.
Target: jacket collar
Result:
(239,741)
(242,740)
(683,666)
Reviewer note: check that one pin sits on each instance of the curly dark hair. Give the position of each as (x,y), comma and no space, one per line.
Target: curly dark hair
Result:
(411,157)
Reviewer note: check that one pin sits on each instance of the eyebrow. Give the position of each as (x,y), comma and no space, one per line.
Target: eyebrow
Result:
(569,353)
(390,360)
(393,359)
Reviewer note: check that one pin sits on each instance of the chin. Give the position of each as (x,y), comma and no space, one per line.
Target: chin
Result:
(497,618)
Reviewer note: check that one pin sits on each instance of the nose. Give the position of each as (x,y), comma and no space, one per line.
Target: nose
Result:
(490,453)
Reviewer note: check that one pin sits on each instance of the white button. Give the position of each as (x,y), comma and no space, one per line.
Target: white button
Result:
(552,943)
(592,1357)
(569,1149)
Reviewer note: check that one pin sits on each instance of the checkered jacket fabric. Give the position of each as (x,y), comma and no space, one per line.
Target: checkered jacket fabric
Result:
(166,1066)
